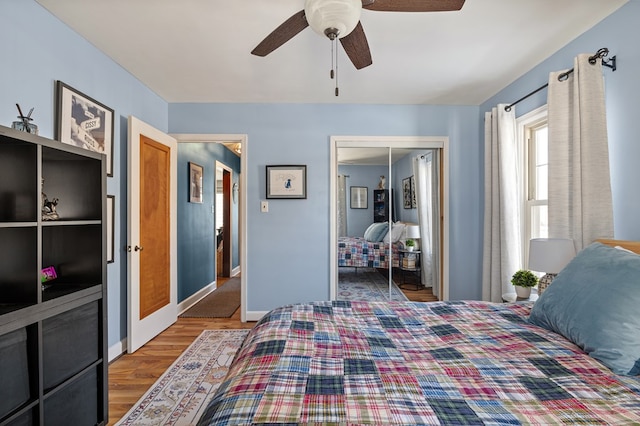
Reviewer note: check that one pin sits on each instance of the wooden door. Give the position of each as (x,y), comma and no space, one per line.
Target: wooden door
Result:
(152,257)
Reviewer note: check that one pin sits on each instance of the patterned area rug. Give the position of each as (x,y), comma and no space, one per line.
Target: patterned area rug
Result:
(181,395)
(366,284)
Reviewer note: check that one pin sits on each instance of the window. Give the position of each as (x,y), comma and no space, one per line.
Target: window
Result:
(533,134)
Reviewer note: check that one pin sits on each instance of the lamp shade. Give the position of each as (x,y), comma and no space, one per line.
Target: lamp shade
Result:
(338,16)
(412,231)
(550,255)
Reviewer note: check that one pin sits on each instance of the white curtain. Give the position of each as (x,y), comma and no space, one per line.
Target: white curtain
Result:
(426,169)
(342,206)
(580,205)
(502,252)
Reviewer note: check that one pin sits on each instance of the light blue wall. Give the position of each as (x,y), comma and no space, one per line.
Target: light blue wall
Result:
(620,33)
(38,49)
(358,220)
(196,237)
(288,247)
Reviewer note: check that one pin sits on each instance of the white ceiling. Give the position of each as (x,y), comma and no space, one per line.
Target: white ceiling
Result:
(199,50)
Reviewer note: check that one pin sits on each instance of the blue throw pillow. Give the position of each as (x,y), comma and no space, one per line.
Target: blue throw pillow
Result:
(595,303)
(376,231)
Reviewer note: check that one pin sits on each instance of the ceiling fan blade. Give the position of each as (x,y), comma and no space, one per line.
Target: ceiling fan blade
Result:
(285,32)
(357,48)
(413,5)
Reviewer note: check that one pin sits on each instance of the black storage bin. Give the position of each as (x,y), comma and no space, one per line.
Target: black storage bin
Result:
(75,404)
(14,370)
(70,343)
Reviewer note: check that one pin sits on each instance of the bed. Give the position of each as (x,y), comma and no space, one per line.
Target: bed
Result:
(458,362)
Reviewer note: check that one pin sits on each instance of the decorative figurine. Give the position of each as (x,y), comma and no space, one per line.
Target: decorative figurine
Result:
(382,182)
(24,124)
(49,207)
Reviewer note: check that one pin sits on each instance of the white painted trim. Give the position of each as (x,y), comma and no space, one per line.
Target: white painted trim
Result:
(230,224)
(118,349)
(255,315)
(196,297)
(236,271)
(415,142)
(243,229)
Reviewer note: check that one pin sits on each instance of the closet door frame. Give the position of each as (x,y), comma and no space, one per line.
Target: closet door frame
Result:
(413,142)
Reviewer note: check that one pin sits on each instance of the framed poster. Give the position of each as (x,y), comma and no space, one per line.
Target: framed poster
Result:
(111,233)
(82,121)
(195,182)
(406,192)
(414,204)
(286,181)
(359,198)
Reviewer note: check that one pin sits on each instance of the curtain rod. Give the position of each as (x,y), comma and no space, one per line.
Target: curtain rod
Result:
(600,54)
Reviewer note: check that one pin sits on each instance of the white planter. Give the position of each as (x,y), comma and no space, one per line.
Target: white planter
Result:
(523,292)
(410,248)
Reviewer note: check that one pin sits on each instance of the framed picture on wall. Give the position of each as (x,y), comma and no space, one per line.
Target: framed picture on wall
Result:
(286,181)
(406,192)
(414,204)
(196,172)
(359,197)
(82,121)
(111,233)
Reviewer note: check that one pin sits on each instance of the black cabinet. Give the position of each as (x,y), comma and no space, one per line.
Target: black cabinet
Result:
(53,342)
(382,205)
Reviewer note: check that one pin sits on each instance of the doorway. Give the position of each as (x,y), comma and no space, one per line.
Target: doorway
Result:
(389,150)
(223,223)
(238,144)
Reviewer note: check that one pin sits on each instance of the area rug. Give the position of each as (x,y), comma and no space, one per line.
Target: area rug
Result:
(181,394)
(366,284)
(220,303)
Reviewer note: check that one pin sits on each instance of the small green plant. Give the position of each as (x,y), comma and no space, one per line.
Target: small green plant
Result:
(524,278)
(410,243)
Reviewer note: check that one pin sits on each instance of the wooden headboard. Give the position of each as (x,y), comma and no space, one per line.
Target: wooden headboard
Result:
(634,246)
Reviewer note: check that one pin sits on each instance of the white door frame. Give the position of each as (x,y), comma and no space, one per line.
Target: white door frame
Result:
(243,229)
(140,331)
(417,142)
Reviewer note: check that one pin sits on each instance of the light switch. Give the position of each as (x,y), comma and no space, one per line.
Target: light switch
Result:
(264,206)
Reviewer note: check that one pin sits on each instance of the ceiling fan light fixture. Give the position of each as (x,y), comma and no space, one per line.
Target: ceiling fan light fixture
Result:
(333,18)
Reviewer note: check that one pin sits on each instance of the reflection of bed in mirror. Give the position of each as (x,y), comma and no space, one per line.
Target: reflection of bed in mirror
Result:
(372,249)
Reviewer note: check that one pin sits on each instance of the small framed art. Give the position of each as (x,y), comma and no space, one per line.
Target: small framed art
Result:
(406,193)
(82,121)
(359,197)
(286,181)
(111,233)
(196,173)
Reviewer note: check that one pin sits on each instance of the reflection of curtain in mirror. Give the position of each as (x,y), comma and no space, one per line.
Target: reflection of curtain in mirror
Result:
(342,206)
(426,169)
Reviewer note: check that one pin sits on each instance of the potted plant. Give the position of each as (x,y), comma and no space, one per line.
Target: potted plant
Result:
(523,280)
(410,244)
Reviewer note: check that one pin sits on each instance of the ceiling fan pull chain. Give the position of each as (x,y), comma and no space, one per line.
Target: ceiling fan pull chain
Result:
(336,42)
(331,74)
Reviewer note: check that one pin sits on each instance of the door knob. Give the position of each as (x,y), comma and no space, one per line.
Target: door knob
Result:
(138,248)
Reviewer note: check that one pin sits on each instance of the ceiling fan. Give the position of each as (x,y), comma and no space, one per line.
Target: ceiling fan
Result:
(340,19)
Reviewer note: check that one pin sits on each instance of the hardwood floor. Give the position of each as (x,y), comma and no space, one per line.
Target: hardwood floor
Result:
(132,374)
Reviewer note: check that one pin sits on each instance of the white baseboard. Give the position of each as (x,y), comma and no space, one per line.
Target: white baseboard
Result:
(235,271)
(255,315)
(118,349)
(195,298)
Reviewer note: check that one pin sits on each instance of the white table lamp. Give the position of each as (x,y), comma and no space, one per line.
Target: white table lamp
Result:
(412,232)
(549,255)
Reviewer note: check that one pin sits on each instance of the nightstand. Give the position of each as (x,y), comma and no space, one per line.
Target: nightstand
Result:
(409,261)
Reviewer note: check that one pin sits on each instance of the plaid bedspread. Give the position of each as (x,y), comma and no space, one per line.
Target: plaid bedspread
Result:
(358,252)
(416,363)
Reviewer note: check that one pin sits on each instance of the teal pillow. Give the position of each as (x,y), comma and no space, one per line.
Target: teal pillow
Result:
(595,303)
(376,231)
